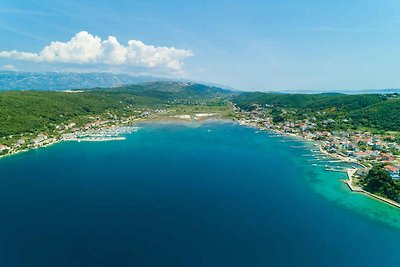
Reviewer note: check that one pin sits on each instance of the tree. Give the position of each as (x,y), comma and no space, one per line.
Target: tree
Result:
(277,115)
(378,181)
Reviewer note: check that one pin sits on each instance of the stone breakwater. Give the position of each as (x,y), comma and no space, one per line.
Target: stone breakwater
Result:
(354,188)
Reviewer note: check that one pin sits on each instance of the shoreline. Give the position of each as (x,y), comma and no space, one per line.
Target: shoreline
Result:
(358,189)
(349,171)
(63,139)
(31,148)
(159,119)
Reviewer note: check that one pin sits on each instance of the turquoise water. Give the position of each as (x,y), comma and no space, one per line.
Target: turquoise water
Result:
(175,195)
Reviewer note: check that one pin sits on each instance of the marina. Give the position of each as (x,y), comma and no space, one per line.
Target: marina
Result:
(100,135)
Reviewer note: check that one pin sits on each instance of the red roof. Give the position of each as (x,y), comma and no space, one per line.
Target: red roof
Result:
(391,168)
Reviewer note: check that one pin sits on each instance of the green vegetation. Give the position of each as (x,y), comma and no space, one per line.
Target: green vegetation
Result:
(371,111)
(361,127)
(27,116)
(31,112)
(379,182)
(23,112)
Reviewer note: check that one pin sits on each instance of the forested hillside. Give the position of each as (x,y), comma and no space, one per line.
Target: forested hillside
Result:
(33,111)
(377,111)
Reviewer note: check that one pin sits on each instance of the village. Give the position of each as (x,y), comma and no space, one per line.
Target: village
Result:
(362,147)
(105,127)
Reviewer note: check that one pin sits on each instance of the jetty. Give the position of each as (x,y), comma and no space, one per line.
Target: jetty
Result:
(99,139)
(100,135)
(298,146)
(349,182)
(334,170)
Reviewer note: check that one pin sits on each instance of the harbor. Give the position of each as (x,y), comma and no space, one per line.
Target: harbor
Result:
(100,135)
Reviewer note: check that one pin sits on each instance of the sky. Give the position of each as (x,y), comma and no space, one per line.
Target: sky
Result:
(247,45)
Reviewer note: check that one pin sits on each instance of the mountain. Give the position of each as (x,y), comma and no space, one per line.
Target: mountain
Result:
(13,80)
(175,90)
(343,91)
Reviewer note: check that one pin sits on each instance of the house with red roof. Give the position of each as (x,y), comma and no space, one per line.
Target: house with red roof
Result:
(387,157)
(394,171)
(3,147)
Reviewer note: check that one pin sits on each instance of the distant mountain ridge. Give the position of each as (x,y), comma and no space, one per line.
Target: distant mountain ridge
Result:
(342,91)
(15,80)
(20,80)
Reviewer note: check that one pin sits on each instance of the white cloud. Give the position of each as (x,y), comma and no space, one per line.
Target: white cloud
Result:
(84,48)
(9,67)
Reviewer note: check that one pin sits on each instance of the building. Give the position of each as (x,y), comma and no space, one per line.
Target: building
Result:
(20,142)
(394,171)
(3,147)
(387,157)
(361,155)
(362,171)
(40,138)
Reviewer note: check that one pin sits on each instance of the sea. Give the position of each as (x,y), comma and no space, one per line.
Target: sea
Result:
(196,194)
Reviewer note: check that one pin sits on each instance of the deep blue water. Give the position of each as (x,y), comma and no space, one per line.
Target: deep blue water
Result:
(175,195)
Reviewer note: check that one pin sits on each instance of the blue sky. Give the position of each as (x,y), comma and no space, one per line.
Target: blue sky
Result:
(249,45)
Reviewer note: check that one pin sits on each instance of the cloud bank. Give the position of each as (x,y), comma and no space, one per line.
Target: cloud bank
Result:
(85,48)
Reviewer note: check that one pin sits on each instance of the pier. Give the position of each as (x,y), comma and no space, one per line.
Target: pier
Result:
(100,135)
(349,182)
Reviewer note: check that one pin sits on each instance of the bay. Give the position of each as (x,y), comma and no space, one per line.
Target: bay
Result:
(212,194)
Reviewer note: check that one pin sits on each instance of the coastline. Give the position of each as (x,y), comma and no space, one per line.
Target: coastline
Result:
(159,119)
(53,141)
(349,171)
(176,119)
(31,148)
(358,189)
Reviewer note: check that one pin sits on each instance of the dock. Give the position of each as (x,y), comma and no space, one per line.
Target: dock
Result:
(349,182)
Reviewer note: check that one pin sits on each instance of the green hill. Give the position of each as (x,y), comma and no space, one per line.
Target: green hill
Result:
(377,111)
(36,111)
(33,111)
